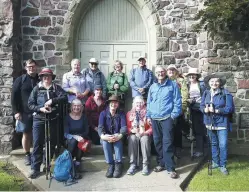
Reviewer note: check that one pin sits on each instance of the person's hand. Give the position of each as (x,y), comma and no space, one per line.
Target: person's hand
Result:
(46,109)
(216,110)
(134,130)
(116,86)
(143,134)
(78,138)
(211,109)
(116,137)
(73,90)
(190,100)
(105,137)
(48,103)
(96,129)
(18,116)
(141,90)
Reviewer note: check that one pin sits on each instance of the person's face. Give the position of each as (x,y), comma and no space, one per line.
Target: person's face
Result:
(142,62)
(171,72)
(160,74)
(192,77)
(114,105)
(93,66)
(138,105)
(31,68)
(75,67)
(118,67)
(214,83)
(47,79)
(98,92)
(77,108)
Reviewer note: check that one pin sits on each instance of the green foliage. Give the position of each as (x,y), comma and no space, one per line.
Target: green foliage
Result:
(9,182)
(224,18)
(237,180)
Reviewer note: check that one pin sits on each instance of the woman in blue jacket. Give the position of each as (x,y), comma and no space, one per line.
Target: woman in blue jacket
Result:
(217,107)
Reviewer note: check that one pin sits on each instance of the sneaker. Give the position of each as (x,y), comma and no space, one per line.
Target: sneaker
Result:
(27,160)
(145,170)
(34,174)
(173,174)
(198,154)
(224,170)
(110,170)
(132,170)
(214,165)
(118,170)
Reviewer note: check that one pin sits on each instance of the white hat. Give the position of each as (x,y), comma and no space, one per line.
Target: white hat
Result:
(93,60)
(141,58)
(193,71)
(172,66)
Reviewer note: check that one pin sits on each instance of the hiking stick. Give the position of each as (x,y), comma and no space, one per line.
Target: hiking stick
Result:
(138,153)
(210,145)
(46,145)
(191,134)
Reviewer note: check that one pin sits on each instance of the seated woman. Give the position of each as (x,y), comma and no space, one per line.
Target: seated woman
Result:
(76,130)
(138,130)
(117,82)
(217,106)
(94,106)
(111,129)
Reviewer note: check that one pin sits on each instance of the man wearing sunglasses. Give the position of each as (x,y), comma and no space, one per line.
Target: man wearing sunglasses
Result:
(21,90)
(94,76)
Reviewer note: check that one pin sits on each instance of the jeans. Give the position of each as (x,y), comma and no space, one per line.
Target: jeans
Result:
(108,151)
(38,142)
(163,140)
(218,140)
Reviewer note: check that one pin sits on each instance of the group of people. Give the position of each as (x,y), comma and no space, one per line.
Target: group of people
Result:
(96,112)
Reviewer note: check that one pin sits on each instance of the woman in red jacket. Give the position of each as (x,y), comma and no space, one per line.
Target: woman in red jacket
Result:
(95,104)
(139,132)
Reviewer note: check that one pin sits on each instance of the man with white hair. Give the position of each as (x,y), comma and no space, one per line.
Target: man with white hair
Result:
(75,84)
(164,105)
(95,77)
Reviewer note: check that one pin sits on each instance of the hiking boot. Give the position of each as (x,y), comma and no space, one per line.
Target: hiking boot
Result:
(118,170)
(27,160)
(110,170)
(173,174)
(198,154)
(224,170)
(145,170)
(34,174)
(132,169)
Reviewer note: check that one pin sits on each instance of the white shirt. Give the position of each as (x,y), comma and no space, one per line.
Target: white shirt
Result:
(194,92)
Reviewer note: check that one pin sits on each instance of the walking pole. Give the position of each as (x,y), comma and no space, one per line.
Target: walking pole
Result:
(210,145)
(46,146)
(138,153)
(191,133)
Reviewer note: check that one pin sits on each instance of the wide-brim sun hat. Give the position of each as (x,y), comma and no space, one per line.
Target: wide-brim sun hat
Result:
(172,66)
(93,60)
(47,71)
(193,71)
(222,79)
(113,98)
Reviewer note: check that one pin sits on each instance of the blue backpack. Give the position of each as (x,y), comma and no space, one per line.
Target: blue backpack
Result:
(64,168)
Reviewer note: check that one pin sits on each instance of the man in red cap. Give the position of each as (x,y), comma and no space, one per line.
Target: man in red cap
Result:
(43,100)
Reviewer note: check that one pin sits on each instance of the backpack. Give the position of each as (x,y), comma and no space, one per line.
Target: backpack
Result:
(64,170)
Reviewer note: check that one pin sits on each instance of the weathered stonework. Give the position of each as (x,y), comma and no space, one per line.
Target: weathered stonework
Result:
(49,28)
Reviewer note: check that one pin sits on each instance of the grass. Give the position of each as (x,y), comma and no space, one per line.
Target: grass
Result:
(237,180)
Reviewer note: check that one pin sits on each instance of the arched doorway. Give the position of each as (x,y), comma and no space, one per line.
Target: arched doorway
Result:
(110,30)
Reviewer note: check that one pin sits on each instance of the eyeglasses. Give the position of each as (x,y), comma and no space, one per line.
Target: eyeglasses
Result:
(94,63)
(158,72)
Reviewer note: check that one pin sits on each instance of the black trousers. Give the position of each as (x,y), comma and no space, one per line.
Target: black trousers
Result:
(180,123)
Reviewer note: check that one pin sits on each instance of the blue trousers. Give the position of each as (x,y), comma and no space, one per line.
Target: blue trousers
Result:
(163,137)
(108,151)
(39,140)
(218,140)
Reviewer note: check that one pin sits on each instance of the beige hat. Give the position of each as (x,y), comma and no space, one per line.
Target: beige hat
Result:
(172,66)
(93,60)
(193,71)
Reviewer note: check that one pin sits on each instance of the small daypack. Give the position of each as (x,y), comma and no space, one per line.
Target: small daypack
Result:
(64,170)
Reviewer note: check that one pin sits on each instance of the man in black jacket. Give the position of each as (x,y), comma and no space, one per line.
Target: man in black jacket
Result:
(21,90)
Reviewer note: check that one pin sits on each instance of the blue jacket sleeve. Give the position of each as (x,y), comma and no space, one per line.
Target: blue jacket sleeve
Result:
(123,129)
(132,80)
(150,80)
(177,102)
(228,108)
(101,123)
(148,104)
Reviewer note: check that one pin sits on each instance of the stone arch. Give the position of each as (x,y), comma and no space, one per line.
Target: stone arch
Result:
(148,12)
